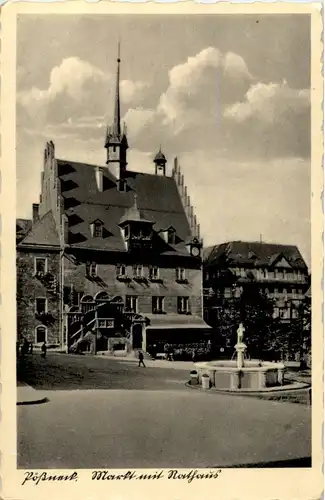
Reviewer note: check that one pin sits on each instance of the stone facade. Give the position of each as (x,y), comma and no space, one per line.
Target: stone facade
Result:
(93,220)
(30,288)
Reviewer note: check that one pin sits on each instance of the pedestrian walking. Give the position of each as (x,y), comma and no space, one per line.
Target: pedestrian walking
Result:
(31,347)
(44,349)
(141,362)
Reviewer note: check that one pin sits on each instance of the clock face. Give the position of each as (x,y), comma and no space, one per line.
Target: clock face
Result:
(195,251)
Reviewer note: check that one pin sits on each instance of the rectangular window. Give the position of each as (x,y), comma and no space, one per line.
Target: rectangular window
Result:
(157,305)
(276,312)
(276,292)
(120,270)
(180,274)
(153,272)
(138,271)
(183,305)
(105,323)
(294,313)
(227,293)
(131,303)
(40,305)
(40,265)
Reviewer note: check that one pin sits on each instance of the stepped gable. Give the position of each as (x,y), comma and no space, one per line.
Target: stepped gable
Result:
(158,200)
(254,253)
(43,233)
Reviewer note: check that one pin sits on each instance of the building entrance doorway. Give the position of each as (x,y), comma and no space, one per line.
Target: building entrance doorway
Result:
(137,336)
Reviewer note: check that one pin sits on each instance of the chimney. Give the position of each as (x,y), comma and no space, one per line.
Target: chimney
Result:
(35,212)
(99,178)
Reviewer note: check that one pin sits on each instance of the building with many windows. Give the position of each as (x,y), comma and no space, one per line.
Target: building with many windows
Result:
(112,256)
(279,270)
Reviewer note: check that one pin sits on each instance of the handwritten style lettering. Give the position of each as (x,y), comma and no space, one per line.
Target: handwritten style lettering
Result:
(193,474)
(37,477)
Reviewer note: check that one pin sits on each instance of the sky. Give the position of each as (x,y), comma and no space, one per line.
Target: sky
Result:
(228,95)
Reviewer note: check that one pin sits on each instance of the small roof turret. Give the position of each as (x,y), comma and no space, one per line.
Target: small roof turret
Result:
(133,214)
(160,157)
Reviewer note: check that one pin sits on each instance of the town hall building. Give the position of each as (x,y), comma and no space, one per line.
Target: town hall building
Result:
(112,257)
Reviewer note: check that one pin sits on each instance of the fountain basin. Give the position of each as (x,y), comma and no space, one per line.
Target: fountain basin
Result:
(253,376)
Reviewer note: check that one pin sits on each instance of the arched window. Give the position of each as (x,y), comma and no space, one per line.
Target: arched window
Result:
(87,303)
(40,334)
(102,296)
(87,298)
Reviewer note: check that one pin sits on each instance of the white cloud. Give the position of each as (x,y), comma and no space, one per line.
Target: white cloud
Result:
(72,77)
(77,92)
(139,120)
(200,86)
(132,91)
(266,102)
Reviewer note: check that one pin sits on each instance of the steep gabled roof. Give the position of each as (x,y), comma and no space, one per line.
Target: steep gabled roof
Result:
(22,228)
(267,254)
(158,200)
(42,233)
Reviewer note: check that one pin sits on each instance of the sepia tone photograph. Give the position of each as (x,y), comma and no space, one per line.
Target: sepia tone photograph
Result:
(163,241)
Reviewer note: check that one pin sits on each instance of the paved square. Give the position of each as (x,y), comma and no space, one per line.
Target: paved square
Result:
(160,423)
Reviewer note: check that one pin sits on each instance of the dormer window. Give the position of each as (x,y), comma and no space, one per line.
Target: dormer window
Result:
(121,185)
(91,269)
(96,229)
(171,234)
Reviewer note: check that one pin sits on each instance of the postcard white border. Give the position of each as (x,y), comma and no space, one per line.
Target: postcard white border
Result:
(256,484)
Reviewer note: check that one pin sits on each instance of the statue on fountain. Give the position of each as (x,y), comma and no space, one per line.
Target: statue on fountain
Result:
(240,346)
(240,333)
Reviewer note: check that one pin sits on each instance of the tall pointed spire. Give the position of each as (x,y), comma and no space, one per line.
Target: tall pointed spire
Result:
(117,109)
(116,142)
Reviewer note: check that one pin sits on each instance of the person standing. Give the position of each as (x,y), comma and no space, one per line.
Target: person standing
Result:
(44,349)
(141,362)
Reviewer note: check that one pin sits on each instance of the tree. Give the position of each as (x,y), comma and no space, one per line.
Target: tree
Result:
(252,307)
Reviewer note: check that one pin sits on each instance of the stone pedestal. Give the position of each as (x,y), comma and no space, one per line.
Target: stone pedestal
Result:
(240,351)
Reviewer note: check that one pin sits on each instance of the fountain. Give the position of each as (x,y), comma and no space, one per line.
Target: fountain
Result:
(241,374)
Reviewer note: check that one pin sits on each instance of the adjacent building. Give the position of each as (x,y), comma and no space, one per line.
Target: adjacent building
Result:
(112,257)
(279,270)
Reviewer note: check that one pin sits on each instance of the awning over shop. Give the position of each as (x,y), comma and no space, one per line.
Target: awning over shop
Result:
(176,321)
